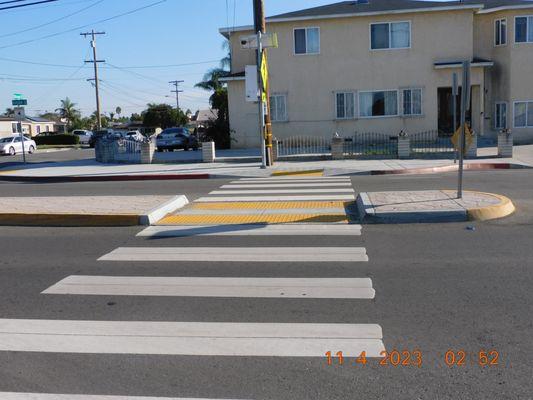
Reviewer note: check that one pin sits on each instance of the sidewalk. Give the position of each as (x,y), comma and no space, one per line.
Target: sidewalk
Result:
(90,169)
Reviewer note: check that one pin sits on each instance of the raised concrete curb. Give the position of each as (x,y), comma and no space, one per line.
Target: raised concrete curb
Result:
(438,213)
(501,210)
(95,219)
(100,178)
(161,211)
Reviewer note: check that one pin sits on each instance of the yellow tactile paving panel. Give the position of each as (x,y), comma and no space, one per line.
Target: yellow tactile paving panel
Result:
(252,219)
(273,205)
(299,173)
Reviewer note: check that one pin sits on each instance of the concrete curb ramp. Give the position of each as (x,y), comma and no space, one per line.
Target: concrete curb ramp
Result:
(428,207)
(76,219)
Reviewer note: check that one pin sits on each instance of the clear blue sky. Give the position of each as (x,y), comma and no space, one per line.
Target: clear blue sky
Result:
(172,32)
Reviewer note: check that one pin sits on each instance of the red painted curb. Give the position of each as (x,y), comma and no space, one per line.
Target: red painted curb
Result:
(108,178)
(450,168)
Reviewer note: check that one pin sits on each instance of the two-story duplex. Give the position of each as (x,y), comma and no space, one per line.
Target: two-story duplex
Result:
(387,65)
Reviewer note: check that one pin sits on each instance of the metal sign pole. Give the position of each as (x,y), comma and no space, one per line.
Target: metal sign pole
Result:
(455,93)
(261,109)
(465,101)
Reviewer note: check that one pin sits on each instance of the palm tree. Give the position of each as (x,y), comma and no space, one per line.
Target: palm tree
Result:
(211,80)
(68,111)
(118,110)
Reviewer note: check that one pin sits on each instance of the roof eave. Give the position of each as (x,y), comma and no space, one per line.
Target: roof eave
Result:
(505,8)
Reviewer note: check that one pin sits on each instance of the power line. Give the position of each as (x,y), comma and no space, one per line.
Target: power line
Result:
(84,26)
(53,21)
(28,4)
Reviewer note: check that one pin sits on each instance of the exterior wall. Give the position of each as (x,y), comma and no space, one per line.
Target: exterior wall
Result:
(346,63)
(510,78)
(6,129)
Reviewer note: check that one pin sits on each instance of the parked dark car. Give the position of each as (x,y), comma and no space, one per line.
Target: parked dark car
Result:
(176,138)
(97,135)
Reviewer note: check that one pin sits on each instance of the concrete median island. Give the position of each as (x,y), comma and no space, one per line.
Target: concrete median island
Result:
(87,210)
(431,206)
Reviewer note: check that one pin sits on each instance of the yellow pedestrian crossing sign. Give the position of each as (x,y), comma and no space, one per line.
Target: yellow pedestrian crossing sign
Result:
(469,138)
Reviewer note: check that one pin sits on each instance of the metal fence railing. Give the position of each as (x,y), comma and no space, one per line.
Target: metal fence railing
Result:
(431,144)
(371,144)
(303,145)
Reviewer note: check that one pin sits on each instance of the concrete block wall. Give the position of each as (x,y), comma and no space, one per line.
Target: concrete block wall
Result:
(404,147)
(337,148)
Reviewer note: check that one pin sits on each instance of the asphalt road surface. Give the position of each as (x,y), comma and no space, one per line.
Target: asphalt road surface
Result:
(459,287)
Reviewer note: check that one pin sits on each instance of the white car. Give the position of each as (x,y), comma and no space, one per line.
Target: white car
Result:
(13,145)
(85,136)
(135,136)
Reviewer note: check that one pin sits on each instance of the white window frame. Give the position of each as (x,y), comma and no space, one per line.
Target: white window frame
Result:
(286,119)
(378,116)
(497,123)
(306,28)
(390,35)
(355,103)
(526,102)
(421,102)
(527,29)
(498,32)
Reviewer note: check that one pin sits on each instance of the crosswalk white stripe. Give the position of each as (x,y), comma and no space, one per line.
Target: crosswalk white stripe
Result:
(50,396)
(253,230)
(238,254)
(316,197)
(286,185)
(189,338)
(282,191)
(307,288)
(300,179)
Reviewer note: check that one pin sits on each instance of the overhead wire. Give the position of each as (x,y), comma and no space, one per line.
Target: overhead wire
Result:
(85,25)
(53,21)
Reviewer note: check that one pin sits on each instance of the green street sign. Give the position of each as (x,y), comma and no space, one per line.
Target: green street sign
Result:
(20,102)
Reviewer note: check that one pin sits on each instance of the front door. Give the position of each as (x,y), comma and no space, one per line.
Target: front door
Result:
(445,104)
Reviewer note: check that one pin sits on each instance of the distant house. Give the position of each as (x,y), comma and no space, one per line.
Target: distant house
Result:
(31,126)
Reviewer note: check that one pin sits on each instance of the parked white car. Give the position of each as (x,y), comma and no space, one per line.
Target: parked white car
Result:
(12,145)
(135,136)
(85,136)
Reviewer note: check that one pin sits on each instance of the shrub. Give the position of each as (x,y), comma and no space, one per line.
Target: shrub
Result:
(57,140)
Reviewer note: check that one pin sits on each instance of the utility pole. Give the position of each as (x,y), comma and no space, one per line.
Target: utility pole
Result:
(95,62)
(177,91)
(265,122)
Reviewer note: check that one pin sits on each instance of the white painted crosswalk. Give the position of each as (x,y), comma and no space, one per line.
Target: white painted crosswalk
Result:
(307,288)
(287,199)
(189,338)
(253,230)
(238,254)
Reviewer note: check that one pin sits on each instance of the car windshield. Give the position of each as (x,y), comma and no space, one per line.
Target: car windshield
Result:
(6,140)
(79,132)
(173,131)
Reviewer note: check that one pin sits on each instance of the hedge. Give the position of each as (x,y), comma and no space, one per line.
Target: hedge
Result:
(61,139)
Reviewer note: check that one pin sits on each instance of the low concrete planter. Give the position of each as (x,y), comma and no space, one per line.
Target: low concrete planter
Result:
(208,152)
(337,148)
(505,144)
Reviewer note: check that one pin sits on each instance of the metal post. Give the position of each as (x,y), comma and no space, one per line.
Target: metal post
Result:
(22,139)
(465,101)
(455,93)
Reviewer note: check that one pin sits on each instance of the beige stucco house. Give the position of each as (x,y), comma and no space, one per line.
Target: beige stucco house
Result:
(31,126)
(386,66)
